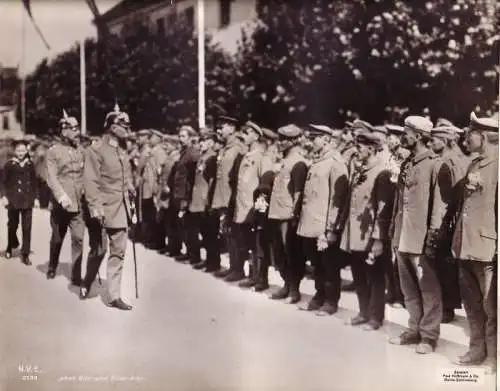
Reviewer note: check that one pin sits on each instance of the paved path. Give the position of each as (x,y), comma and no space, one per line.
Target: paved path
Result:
(190,331)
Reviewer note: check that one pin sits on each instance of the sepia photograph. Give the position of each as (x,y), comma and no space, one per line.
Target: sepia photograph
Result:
(240,195)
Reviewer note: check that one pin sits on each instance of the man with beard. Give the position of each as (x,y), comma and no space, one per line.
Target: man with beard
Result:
(325,194)
(418,215)
(65,162)
(253,166)
(284,213)
(453,169)
(182,187)
(365,234)
(474,243)
(200,220)
(225,186)
(108,189)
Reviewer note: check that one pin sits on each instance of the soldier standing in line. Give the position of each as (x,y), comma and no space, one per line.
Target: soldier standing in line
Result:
(182,188)
(65,161)
(325,194)
(453,169)
(284,213)
(398,155)
(144,182)
(253,166)
(365,234)
(263,239)
(418,215)
(225,186)
(474,243)
(200,220)
(157,160)
(109,188)
(167,216)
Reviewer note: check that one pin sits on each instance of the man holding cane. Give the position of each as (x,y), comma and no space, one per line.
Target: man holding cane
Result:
(108,184)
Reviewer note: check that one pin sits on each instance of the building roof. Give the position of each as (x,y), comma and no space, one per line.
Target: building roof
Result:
(126,7)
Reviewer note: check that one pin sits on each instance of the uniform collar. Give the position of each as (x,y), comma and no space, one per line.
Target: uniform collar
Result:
(21,162)
(485,160)
(113,142)
(417,158)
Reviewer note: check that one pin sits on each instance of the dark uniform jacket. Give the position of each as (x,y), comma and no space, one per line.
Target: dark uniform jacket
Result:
(183,179)
(20,183)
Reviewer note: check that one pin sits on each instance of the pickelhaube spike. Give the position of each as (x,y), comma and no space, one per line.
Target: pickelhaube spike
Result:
(65,115)
(116,108)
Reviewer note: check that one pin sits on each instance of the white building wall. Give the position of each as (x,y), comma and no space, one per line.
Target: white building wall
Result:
(243,12)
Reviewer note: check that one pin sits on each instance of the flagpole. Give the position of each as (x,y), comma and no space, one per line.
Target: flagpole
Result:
(83,97)
(23,75)
(201,63)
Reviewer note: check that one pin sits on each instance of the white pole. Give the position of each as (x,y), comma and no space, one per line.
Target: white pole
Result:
(83,98)
(23,76)
(201,63)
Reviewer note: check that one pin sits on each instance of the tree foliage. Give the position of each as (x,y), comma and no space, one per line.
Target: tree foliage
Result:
(325,61)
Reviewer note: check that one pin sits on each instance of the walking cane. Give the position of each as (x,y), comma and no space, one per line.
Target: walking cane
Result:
(134,221)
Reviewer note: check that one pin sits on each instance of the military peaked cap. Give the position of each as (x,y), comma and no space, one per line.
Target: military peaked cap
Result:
(483,124)
(418,124)
(290,131)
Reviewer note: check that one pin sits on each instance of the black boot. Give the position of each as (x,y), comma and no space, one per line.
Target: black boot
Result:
(282,293)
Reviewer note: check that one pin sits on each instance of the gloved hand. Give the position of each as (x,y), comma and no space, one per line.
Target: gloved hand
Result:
(377,248)
(65,201)
(4,201)
(98,215)
(37,204)
(322,243)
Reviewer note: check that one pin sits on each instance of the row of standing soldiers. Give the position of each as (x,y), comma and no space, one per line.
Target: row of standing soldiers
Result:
(411,209)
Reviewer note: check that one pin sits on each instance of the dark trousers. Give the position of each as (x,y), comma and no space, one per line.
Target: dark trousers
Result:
(175,230)
(60,221)
(447,271)
(161,232)
(244,247)
(326,269)
(393,283)
(288,252)
(199,224)
(422,294)
(12,225)
(262,253)
(212,241)
(148,224)
(369,282)
(478,286)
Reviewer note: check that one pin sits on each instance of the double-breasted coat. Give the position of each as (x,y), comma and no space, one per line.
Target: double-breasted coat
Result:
(253,167)
(107,183)
(19,179)
(65,164)
(226,159)
(418,206)
(370,203)
(204,182)
(475,233)
(325,194)
(288,187)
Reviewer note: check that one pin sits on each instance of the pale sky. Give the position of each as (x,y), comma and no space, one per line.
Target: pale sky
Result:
(62,22)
